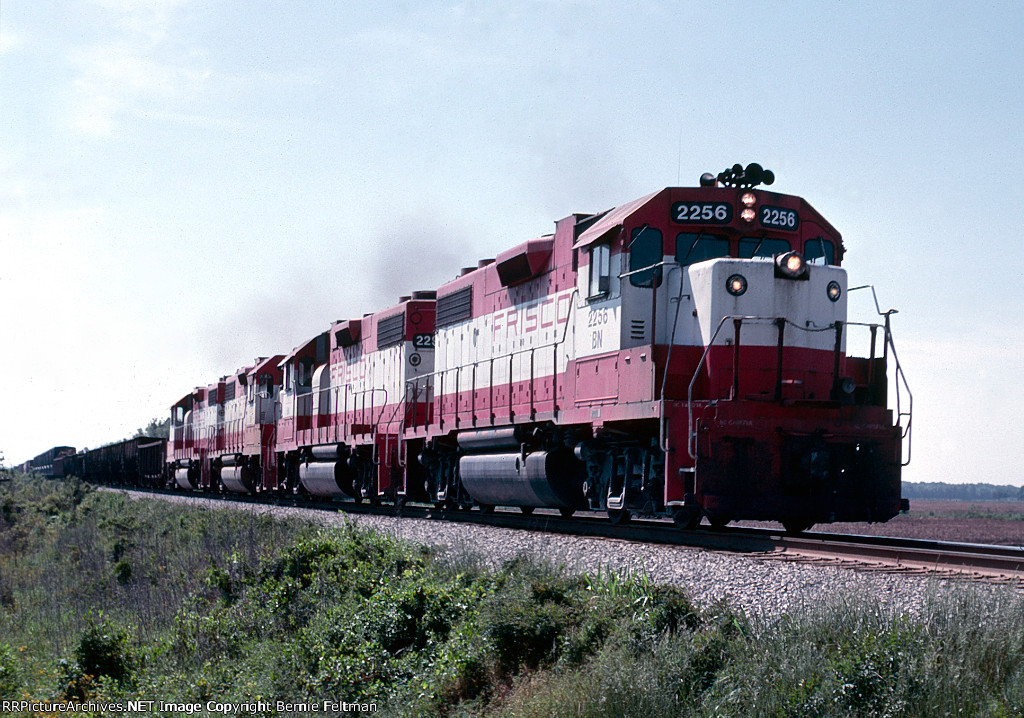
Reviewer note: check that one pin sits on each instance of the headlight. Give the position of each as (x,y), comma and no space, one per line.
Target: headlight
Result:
(748,199)
(791,266)
(736,285)
(748,215)
(834,291)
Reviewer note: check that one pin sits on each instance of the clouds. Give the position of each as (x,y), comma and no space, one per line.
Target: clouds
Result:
(184,185)
(138,71)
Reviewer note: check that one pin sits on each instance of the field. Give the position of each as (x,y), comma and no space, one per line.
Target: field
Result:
(988,522)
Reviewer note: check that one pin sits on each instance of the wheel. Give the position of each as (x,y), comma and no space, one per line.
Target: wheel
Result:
(566,513)
(400,505)
(619,516)
(527,510)
(797,526)
(718,522)
(486,508)
(686,518)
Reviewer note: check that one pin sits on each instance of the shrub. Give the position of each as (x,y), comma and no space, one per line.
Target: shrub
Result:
(104,650)
(10,681)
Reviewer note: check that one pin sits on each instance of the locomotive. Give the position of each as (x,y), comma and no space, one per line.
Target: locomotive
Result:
(681,355)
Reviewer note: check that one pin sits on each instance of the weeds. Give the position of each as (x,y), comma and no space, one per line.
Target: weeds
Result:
(101,596)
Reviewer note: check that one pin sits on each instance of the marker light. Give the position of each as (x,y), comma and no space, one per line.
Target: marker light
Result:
(748,215)
(791,265)
(834,291)
(748,199)
(736,285)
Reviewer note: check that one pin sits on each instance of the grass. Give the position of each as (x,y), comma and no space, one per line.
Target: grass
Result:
(105,598)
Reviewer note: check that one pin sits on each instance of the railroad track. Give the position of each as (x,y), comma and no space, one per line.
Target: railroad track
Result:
(1001,564)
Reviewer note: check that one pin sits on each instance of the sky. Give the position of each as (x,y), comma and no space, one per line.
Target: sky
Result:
(188,184)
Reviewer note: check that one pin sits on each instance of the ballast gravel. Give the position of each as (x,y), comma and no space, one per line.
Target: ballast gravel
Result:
(762,587)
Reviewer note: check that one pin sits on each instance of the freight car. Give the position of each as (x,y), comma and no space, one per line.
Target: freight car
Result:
(683,354)
(53,463)
(139,461)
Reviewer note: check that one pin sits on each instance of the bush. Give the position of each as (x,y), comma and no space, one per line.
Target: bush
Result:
(230,605)
(10,681)
(104,650)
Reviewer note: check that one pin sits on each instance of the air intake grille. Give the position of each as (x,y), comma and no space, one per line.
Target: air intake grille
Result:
(636,329)
(390,330)
(455,307)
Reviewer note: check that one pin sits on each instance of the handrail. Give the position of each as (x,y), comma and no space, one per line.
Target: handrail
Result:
(663,421)
(691,434)
(511,357)
(901,414)
(901,378)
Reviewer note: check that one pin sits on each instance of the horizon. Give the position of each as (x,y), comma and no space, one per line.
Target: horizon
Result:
(185,186)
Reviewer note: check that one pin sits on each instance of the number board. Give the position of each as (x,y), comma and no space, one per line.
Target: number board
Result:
(423,341)
(779,218)
(702,212)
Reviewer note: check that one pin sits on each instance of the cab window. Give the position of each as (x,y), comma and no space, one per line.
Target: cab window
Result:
(645,250)
(751,247)
(692,247)
(819,248)
(305,377)
(599,282)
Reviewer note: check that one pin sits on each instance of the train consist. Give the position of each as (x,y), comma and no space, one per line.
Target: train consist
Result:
(680,355)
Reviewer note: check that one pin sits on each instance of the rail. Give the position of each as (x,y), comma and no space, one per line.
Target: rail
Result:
(852,552)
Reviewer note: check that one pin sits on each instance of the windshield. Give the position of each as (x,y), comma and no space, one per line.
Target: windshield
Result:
(692,247)
(762,247)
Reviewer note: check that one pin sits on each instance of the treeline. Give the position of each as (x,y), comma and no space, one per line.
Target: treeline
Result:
(962,492)
(157,429)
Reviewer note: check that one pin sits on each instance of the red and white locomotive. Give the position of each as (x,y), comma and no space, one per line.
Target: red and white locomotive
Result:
(683,354)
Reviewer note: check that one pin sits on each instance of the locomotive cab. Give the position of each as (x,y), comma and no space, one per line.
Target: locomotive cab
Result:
(723,310)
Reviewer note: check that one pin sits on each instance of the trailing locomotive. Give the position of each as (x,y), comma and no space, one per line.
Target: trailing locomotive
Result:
(683,354)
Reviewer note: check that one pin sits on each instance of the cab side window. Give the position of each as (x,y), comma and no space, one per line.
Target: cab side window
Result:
(599,282)
(645,251)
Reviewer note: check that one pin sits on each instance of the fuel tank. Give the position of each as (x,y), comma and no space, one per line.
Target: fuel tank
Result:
(542,479)
(233,479)
(182,479)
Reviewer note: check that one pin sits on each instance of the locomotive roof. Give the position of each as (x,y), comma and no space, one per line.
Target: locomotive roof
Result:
(612,220)
(599,226)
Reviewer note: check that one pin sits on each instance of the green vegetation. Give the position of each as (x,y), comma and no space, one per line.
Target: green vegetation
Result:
(103,598)
(155,429)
